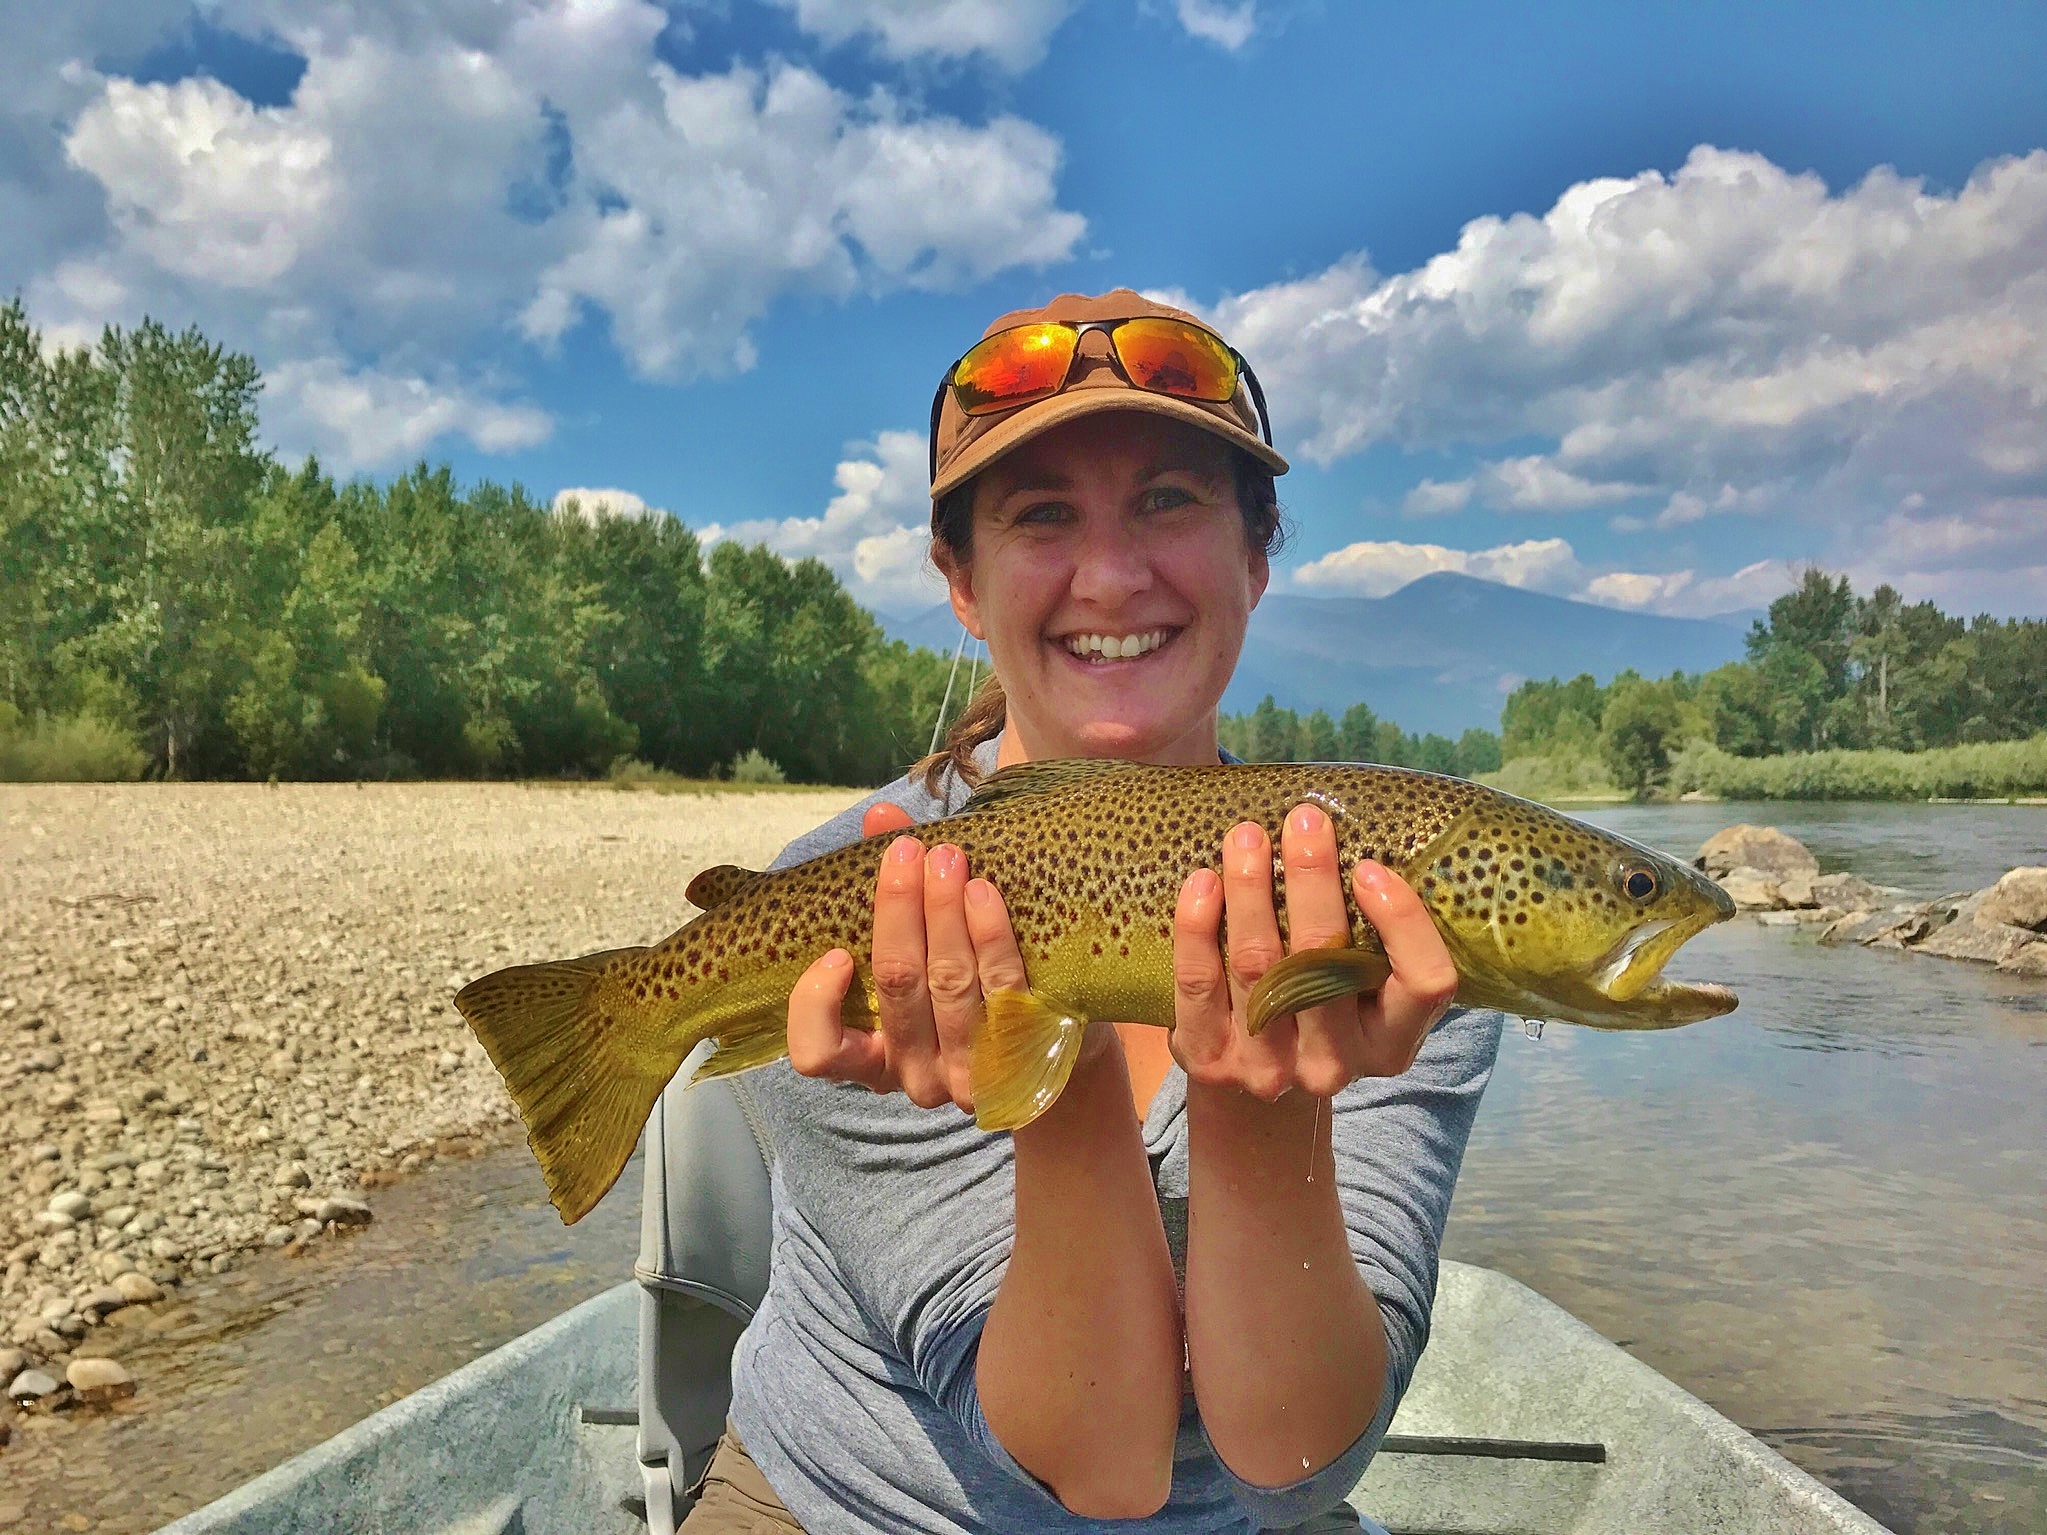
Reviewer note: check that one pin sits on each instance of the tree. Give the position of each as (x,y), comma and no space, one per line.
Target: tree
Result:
(1637,732)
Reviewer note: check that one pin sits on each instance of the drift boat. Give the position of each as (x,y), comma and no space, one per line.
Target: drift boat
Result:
(1520,1420)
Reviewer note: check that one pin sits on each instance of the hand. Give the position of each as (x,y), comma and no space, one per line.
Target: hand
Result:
(940,941)
(1323,1049)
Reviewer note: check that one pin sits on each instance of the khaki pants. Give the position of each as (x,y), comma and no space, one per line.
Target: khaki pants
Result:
(733,1498)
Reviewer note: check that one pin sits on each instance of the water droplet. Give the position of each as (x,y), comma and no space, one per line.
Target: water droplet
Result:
(1304,1462)
(1532,1027)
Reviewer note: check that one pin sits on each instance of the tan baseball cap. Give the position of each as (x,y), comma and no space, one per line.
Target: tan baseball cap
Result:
(965,445)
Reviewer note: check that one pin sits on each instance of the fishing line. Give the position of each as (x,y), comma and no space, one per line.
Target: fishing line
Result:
(938,724)
(1314,1139)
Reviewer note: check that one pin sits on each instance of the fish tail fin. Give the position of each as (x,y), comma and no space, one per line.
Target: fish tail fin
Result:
(584,1064)
(1023,1053)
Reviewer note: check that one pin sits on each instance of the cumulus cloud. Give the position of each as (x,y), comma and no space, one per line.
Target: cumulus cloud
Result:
(1370,569)
(594,505)
(1373,569)
(1228,25)
(355,416)
(875,533)
(459,178)
(1730,338)
(1011,33)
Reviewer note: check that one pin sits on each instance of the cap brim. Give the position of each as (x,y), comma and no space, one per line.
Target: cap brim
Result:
(1035,420)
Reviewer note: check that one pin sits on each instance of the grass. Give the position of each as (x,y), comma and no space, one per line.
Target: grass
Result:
(1557,780)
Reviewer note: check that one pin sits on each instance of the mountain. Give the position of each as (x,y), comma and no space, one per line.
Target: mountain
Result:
(1440,654)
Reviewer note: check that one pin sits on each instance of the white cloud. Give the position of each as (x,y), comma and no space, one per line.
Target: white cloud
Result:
(1373,569)
(367,416)
(595,504)
(1011,33)
(1226,23)
(1369,569)
(875,533)
(1436,498)
(1732,338)
(454,178)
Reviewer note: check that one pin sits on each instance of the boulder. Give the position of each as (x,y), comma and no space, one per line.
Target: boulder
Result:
(1756,847)
(1965,935)
(2028,959)
(1751,889)
(2018,900)
(1851,891)
(99,1380)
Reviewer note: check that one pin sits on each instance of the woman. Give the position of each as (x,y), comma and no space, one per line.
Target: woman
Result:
(967,1331)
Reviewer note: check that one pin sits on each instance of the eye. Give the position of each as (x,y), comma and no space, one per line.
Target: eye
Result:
(1166,498)
(1640,882)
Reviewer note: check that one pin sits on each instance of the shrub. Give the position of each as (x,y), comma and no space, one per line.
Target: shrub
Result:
(751,767)
(1985,770)
(1561,777)
(66,748)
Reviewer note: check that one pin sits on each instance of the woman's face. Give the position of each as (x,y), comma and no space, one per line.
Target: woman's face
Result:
(1111,579)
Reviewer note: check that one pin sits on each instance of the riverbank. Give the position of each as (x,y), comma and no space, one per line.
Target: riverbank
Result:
(225,1016)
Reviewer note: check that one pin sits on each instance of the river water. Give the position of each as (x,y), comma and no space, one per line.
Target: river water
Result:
(1825,1214)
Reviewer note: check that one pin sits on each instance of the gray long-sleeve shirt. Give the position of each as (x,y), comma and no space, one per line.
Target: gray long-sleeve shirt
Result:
(854,1386)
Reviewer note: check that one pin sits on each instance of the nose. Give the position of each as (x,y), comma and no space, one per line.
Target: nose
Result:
(1111,564)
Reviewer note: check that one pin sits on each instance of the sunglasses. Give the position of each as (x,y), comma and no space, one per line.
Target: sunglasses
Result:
(1033,362)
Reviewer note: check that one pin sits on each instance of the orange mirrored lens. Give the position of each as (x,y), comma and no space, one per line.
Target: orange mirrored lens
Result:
(1172,357)
(1014,367)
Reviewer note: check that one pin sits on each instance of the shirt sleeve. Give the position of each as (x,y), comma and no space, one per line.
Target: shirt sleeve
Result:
(1399,1144)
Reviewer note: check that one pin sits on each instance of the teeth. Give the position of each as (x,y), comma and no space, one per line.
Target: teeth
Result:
(1116,647)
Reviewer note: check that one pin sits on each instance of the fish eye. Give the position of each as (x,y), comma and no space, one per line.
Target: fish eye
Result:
(1640,882)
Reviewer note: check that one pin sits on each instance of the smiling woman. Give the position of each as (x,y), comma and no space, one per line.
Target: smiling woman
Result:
(1192,1290)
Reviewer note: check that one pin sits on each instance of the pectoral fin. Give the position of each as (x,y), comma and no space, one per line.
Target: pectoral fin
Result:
(1023,1053)
(1310,977)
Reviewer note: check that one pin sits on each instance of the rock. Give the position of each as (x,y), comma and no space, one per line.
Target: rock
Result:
(1795,890)
(99,1380)
(1751,889)
(12,1362)
(166,1248)
(62,1095)
(2019,899)
(1781,918)
(71,1203)
(292,1176)
(117,1217)
(52,1220)
(2028,959)
(1851,891)
(277,1236)
(140,1289)
(342,1211)
(1756,847)
(1965,935)
(105,1300)
(31,1386)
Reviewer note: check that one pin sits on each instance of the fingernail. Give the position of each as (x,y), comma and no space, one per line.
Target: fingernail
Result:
(1373,873)
(946,861)
(906,850)
(1203,884)
(1306,820)
(979,892)
(1248,836)
(837,959)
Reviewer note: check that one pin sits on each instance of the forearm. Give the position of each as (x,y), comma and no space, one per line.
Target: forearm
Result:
(1284,1338)
(1079,1370)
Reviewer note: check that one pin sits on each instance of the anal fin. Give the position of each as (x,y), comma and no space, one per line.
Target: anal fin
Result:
(1310,977)
(1023,1053)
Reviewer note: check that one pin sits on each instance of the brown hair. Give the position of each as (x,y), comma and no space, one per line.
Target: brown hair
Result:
(952,532)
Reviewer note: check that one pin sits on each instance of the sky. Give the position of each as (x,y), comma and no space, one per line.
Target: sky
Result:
(1648,306)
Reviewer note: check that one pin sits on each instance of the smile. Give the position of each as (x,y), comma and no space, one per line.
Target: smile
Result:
(1116,647)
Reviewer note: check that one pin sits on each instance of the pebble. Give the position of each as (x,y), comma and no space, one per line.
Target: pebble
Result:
(30,1386)
(12,1362)
(117,1216)
(99,1380)
(72,1203)
(342,1211)
(277,1236)
(292,1176)
(138,1288)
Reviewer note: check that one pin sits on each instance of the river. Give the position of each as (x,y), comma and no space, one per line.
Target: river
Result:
(1823,1214)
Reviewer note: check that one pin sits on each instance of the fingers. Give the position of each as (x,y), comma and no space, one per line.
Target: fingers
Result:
(881,816)
(1329,1048)
(950,971)
(820,1045)
(908,1029)
(996,952)
(1263,1065)
(1203,1029)
(1424,978)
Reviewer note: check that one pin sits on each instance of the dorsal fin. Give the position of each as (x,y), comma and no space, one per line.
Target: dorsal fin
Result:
(1042,778)
(715,886)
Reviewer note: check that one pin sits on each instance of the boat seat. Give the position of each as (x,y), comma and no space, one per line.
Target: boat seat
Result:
(703,1268)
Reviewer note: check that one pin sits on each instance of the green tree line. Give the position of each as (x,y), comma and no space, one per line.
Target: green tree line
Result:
(1272,734)
(176,601)
(1827,670)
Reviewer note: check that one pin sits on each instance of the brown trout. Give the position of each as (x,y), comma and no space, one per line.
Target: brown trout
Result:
(1545,917)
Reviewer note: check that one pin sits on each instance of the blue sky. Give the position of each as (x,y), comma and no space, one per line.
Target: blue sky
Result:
(1644,305)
